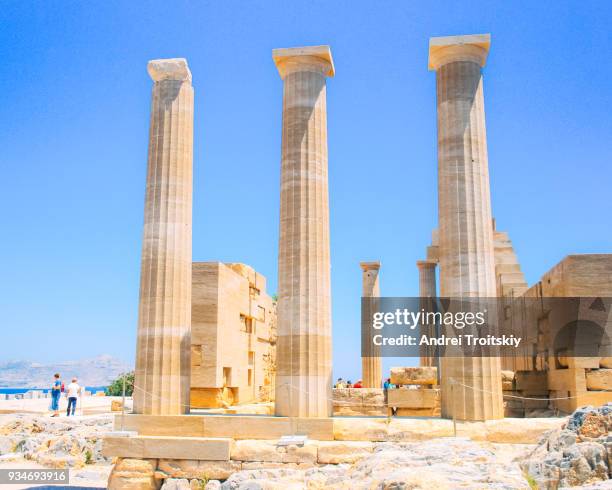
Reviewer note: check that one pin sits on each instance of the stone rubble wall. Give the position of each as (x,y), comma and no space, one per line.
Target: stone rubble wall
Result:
(359,401)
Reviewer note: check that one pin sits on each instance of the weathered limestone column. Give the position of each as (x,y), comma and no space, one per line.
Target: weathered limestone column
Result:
(164,316)
(427,289)
(371,368)
(467,266)
(304,363)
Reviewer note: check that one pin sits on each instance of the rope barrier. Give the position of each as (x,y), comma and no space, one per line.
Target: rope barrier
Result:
(513,396)
(453,381)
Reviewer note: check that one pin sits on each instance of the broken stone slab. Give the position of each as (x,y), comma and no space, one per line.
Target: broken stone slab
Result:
(188,468)
(269,451)
(133,474)
(422,398)
(599,379)
(420,375)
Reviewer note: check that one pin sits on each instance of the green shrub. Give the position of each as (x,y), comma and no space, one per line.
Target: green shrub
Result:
(116,387)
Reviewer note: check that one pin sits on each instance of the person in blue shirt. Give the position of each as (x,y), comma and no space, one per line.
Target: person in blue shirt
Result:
(56,392)
(387,385)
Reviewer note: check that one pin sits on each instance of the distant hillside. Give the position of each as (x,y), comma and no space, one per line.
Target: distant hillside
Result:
(99,371)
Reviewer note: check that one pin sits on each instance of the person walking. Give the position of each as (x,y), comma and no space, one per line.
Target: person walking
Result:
(56,392)
(72,392)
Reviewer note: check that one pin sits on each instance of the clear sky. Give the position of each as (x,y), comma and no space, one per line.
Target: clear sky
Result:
(74,109)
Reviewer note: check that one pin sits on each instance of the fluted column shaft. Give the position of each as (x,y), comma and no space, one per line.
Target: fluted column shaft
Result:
(467,266)
(427,289)
(304,364)
(162,377)
(371,367)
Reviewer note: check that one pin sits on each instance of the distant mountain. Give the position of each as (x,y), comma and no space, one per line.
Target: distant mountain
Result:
(99,371)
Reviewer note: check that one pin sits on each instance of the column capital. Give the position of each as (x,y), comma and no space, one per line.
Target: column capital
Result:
(425,264)
(370,266)
(169,69)
(307,58)
(471,47)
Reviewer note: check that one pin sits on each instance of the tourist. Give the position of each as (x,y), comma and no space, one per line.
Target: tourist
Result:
(349,384)
(56,392)
(386,387)
(73,392)
(358,384)
(340,383)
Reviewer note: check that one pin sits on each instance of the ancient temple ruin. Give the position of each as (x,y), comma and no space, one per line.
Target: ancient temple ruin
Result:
(209,334)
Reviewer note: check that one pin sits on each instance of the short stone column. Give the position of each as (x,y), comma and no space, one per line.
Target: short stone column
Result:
(304,345)
(427,289)
(467,265)
(162,377)
(371,366)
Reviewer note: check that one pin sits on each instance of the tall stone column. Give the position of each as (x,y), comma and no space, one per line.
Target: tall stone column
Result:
(427,289)
(304,355)
(164,317)
(371,368)
(471,387)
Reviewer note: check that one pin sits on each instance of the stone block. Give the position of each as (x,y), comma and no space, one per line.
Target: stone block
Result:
(124,447)
(573,380)
(205,448)
(599,379)
(246,427)
(254,427)
(207,470)
(116,406)
(408,430)
(133,474)
(520,431)
(567,360)
(420,375)
(211,397)
(533,382)
(163,425)
(422,398)
(605,362)
(514,412)
(320,429)
(166,447)
(268,451)
(266,465)
(360,429)
(418,412)
(343,452)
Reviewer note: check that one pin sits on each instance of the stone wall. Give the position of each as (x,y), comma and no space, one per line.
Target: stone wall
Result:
(351,440)
(359,401)
(233,336)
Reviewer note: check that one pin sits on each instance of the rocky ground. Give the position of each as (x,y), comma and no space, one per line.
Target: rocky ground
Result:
(578,454)
(34,441)
(444,463)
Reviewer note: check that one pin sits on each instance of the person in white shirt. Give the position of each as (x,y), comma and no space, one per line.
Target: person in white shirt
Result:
(73,391)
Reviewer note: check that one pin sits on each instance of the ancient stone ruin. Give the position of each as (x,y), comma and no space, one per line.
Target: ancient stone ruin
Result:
(210,336)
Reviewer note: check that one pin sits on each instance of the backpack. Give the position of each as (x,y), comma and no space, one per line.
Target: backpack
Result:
(63,387)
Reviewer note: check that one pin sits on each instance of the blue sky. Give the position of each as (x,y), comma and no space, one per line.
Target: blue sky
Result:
(74,107)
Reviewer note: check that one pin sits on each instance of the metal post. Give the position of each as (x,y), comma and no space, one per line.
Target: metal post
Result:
(454,407)
(123,404)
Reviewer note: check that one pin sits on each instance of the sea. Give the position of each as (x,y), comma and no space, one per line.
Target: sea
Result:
(19,391)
